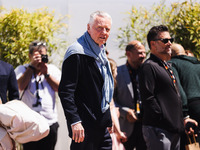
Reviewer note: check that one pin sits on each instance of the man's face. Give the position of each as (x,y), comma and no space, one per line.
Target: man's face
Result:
(100,30)
(136,56)
(36,56)
(160,47)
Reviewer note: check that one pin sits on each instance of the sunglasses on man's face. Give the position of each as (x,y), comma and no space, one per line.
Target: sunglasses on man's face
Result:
(165,40)
(39,43)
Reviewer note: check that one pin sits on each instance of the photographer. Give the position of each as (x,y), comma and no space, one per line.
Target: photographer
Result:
(38,82)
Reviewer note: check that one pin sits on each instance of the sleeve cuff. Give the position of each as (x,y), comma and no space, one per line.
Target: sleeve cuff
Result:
(186,117)
(75,123)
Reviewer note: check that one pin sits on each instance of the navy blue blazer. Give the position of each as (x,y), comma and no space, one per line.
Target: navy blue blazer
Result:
(8,82)
(80,91)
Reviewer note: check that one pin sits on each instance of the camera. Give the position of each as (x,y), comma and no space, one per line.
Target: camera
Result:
(44,58)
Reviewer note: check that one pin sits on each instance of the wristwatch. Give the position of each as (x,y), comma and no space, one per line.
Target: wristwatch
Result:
(47,75)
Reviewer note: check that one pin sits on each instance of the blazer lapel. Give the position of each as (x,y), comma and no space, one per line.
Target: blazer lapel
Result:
(128,80)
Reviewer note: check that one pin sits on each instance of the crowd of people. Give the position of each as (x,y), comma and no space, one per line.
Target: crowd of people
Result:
(145,104)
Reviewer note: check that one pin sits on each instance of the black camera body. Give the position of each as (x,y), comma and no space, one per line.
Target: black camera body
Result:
(44,58)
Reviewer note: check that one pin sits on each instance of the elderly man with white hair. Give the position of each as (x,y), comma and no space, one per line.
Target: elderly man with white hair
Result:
(86,87)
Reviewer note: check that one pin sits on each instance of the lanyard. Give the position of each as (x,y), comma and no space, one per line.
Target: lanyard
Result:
(134,76)
(135,83)
(37,93)
(171,74)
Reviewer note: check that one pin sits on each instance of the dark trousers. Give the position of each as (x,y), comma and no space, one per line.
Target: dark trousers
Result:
(160,139)
(47,143)
(100,140)
(136,139)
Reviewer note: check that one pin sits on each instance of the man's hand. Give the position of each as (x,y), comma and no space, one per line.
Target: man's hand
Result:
(190,129)
(78,133)
(131,117)
(122,137)
(36,59)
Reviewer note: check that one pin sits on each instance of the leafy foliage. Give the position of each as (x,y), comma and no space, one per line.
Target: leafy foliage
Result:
(182,19)
(186,25)
(19,28)
(140,21)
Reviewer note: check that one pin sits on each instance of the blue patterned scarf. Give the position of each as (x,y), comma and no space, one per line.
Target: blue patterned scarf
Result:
(86,46)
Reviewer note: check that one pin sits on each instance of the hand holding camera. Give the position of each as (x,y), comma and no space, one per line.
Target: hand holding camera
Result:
(38,58)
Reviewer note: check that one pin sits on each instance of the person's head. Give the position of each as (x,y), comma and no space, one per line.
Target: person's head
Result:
(177,49)
(99,27)
(113,66)
(37,47)
(189,53)
(136,54)
(160,41)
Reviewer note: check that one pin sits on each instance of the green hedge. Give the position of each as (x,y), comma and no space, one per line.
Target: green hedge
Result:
(19,27)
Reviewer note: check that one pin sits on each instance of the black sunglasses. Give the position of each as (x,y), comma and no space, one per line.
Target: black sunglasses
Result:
(39,43)
(165,40)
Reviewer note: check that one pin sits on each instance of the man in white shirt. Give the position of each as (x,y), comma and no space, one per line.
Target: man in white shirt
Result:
(38,82)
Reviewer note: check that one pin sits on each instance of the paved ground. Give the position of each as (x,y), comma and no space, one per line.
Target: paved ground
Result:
(64,141)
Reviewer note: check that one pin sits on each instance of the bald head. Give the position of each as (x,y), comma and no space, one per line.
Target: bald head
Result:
(134,45)
(135,53)
(177,49)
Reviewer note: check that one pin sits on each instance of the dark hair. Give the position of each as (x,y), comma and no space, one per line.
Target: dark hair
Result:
(113,66)
(36,45)
(154,31)
(42,46)
(129,47)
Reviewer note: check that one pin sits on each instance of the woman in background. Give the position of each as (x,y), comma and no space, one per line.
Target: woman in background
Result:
(117,135)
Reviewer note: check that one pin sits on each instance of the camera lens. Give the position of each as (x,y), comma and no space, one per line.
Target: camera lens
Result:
(44,58)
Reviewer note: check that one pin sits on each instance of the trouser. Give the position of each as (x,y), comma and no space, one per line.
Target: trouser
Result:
(136,139)
(100,140)
(159,139)
(47,143)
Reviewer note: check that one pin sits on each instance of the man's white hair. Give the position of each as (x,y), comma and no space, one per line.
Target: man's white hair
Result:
(99,13)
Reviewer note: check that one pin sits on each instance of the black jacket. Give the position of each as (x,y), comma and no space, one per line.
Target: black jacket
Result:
(8,82)
(80,91)
(160,99)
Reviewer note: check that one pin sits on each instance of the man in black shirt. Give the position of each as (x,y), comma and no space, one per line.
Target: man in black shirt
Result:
(162,112)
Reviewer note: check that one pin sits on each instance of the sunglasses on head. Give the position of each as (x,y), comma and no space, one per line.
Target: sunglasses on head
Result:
(165,40)
(39,43)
